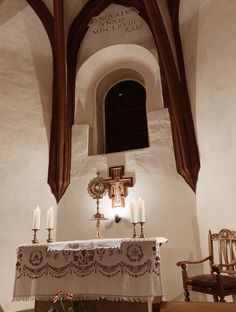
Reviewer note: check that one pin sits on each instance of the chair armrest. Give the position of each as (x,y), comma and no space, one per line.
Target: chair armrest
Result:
(180,263)
(218,268)
(229,264)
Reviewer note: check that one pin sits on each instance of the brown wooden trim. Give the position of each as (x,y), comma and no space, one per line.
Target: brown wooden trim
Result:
(184,139)
(60,141)
(173,6)
(46,18)
(185,146)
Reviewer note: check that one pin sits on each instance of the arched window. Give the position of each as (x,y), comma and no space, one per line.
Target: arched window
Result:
(125,117)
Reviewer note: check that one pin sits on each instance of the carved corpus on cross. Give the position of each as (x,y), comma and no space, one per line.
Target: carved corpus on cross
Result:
(117,186)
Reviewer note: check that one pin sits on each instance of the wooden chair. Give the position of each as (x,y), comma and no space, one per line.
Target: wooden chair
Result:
(221,281)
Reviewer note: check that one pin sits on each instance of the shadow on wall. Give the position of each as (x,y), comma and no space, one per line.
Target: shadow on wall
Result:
(1,309)
(16,7)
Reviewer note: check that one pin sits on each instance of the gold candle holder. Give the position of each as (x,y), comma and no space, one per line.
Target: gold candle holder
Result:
(134,230)
(142,235)
(98,233)
(98,217)
(49,239)
(35,239)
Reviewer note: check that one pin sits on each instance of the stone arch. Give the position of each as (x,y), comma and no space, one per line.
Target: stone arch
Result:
(119,62)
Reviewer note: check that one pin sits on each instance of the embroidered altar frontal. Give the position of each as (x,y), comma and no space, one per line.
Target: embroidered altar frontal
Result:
(130,271)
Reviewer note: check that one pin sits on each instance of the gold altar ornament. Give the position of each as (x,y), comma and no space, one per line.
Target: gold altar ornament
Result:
(97,188)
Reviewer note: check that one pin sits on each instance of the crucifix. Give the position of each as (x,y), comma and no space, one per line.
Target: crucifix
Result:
(117,186)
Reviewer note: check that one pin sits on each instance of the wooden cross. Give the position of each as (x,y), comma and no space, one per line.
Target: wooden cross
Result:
(117,186)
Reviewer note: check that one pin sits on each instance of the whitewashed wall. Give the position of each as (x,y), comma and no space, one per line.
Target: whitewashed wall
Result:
(207,29)
(170,202)
(25,85)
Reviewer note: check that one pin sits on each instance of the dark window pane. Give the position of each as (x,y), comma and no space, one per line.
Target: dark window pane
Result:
(125,117)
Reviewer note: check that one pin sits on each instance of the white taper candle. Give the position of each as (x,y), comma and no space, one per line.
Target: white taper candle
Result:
(36,219)
(50,218)
(133,212)
(141,211)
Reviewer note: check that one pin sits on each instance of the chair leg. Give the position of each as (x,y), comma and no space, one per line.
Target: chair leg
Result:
(215,298)
(186,295)
(156,307)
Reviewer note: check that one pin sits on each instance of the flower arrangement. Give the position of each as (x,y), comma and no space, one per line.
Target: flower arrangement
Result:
(73,305)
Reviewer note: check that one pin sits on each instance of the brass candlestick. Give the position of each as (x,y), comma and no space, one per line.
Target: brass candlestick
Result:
(98,222)
(49,239)
(98,217)
(134,230)
(142,235)
(98,233)
(35,239)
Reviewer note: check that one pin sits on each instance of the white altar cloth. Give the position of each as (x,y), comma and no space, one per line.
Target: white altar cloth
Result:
(114,269)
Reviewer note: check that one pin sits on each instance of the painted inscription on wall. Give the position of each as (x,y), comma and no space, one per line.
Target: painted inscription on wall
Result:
(124,20)
(117,24)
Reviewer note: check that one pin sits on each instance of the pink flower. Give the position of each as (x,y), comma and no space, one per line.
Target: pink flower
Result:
(57,296)
(69,296)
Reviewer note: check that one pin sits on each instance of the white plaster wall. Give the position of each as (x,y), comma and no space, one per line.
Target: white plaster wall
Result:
(208,29)
(25,94)
(103,65)
(170,203)
(23,142)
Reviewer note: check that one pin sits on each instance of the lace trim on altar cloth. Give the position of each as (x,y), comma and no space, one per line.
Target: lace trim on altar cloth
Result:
(93,244)
(85,245)
(89,298)
(99,243)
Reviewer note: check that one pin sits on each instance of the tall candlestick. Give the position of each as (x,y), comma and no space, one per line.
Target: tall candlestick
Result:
(50,218)
(35,239)
(49,239)
(142,234)
(141,211)
(133,212)
(36,219)
(134,230)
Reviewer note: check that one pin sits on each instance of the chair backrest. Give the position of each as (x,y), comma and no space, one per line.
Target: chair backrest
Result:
(222,248)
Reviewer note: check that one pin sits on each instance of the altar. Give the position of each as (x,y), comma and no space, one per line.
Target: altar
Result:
(112,269)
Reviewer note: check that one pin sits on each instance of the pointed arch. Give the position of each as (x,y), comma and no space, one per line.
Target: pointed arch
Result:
(184,139)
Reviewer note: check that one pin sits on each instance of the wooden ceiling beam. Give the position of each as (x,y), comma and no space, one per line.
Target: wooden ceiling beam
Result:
(176,94)
(60,136)
(64,81)
(60,140)
(46,18)
(184,139)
